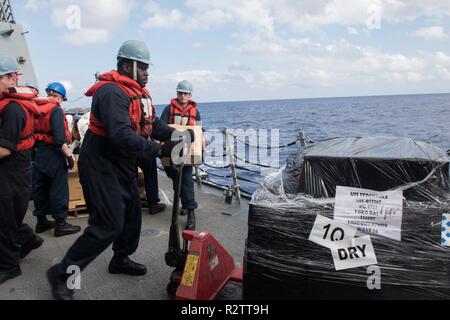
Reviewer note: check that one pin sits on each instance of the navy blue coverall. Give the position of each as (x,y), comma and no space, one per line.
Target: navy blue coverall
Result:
(50,187)
(108,170)
(15,190)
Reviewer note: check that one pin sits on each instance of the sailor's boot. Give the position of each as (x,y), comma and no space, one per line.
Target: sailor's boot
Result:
(190,224)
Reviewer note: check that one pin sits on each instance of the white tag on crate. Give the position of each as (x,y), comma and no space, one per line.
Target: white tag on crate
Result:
(329,233)
(354,253)
(374,212)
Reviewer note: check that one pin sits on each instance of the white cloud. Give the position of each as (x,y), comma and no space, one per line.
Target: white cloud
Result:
(249,13)
(262,16)
(86,36)
(199,76)
(161,18)
(300,62)
(67,84)
(310,15)
(352,31)
(36,5)
(410,10)
(279,59)
(313,14)
(207,82)
(266,17)
(431,33)
(206,14)
(340,62)
(307,68)
(442,59)
(97,19)
(442,64)
(198,45)
(254,44)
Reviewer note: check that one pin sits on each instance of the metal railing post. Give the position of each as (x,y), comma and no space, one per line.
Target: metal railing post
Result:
(230,153)
(302,138)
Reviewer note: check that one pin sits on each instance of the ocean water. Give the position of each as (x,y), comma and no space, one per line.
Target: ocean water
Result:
(422,117)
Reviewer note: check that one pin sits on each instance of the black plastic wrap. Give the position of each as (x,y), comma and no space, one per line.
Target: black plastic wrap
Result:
(282,263)
(375,163)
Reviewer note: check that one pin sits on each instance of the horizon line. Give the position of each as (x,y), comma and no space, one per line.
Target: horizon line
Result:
(310,98)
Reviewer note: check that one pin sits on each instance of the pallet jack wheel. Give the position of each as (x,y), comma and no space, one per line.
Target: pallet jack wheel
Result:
(232,291)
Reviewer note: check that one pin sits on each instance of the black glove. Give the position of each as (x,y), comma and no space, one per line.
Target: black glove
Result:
(191,132)
(179,133)
(167,147)
(70,162)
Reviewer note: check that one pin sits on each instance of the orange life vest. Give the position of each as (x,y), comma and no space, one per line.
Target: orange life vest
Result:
(142,111)
(42,124)
(180,116)
(24,97)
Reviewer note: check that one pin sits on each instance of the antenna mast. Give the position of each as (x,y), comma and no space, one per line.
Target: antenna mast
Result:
(6,14)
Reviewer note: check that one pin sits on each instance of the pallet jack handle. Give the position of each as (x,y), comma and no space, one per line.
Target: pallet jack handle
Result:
(175,256)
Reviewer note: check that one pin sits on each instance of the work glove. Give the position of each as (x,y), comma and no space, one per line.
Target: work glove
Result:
(166,148)
(183,133)
(191,132)
(70,162)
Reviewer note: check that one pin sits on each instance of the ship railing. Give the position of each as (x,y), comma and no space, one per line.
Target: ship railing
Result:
(235,190)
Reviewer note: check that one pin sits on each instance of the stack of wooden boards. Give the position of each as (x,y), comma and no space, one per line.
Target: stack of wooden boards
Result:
(77,203)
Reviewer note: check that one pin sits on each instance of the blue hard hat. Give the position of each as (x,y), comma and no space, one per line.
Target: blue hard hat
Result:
(7,65)
(57,87)
(135,50)
(185,86)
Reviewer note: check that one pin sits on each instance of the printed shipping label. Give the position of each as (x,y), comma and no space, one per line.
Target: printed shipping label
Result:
(374,212)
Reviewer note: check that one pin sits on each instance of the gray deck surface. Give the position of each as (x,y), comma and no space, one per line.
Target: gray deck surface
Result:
(97,283)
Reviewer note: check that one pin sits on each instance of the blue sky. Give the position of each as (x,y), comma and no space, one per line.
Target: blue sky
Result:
(247,49)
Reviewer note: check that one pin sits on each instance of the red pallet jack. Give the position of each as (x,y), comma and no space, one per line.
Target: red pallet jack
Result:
(204,270)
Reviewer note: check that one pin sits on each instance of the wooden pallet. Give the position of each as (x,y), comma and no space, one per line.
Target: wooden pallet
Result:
(77,204)
(78,209)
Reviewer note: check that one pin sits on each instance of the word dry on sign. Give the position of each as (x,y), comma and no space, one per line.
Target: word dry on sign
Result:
(354,253)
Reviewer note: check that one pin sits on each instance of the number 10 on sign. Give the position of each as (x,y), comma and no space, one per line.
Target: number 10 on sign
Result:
(328,233)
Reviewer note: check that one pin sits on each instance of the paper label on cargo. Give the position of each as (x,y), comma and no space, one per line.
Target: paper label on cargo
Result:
(354,253)
(329,233)
(374,212)
(445,230)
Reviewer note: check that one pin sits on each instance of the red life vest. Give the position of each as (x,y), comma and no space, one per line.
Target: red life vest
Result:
(24,97)
(180,116)
(42,123)
(142,111)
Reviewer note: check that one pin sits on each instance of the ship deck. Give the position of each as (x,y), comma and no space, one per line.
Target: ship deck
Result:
(228,223)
